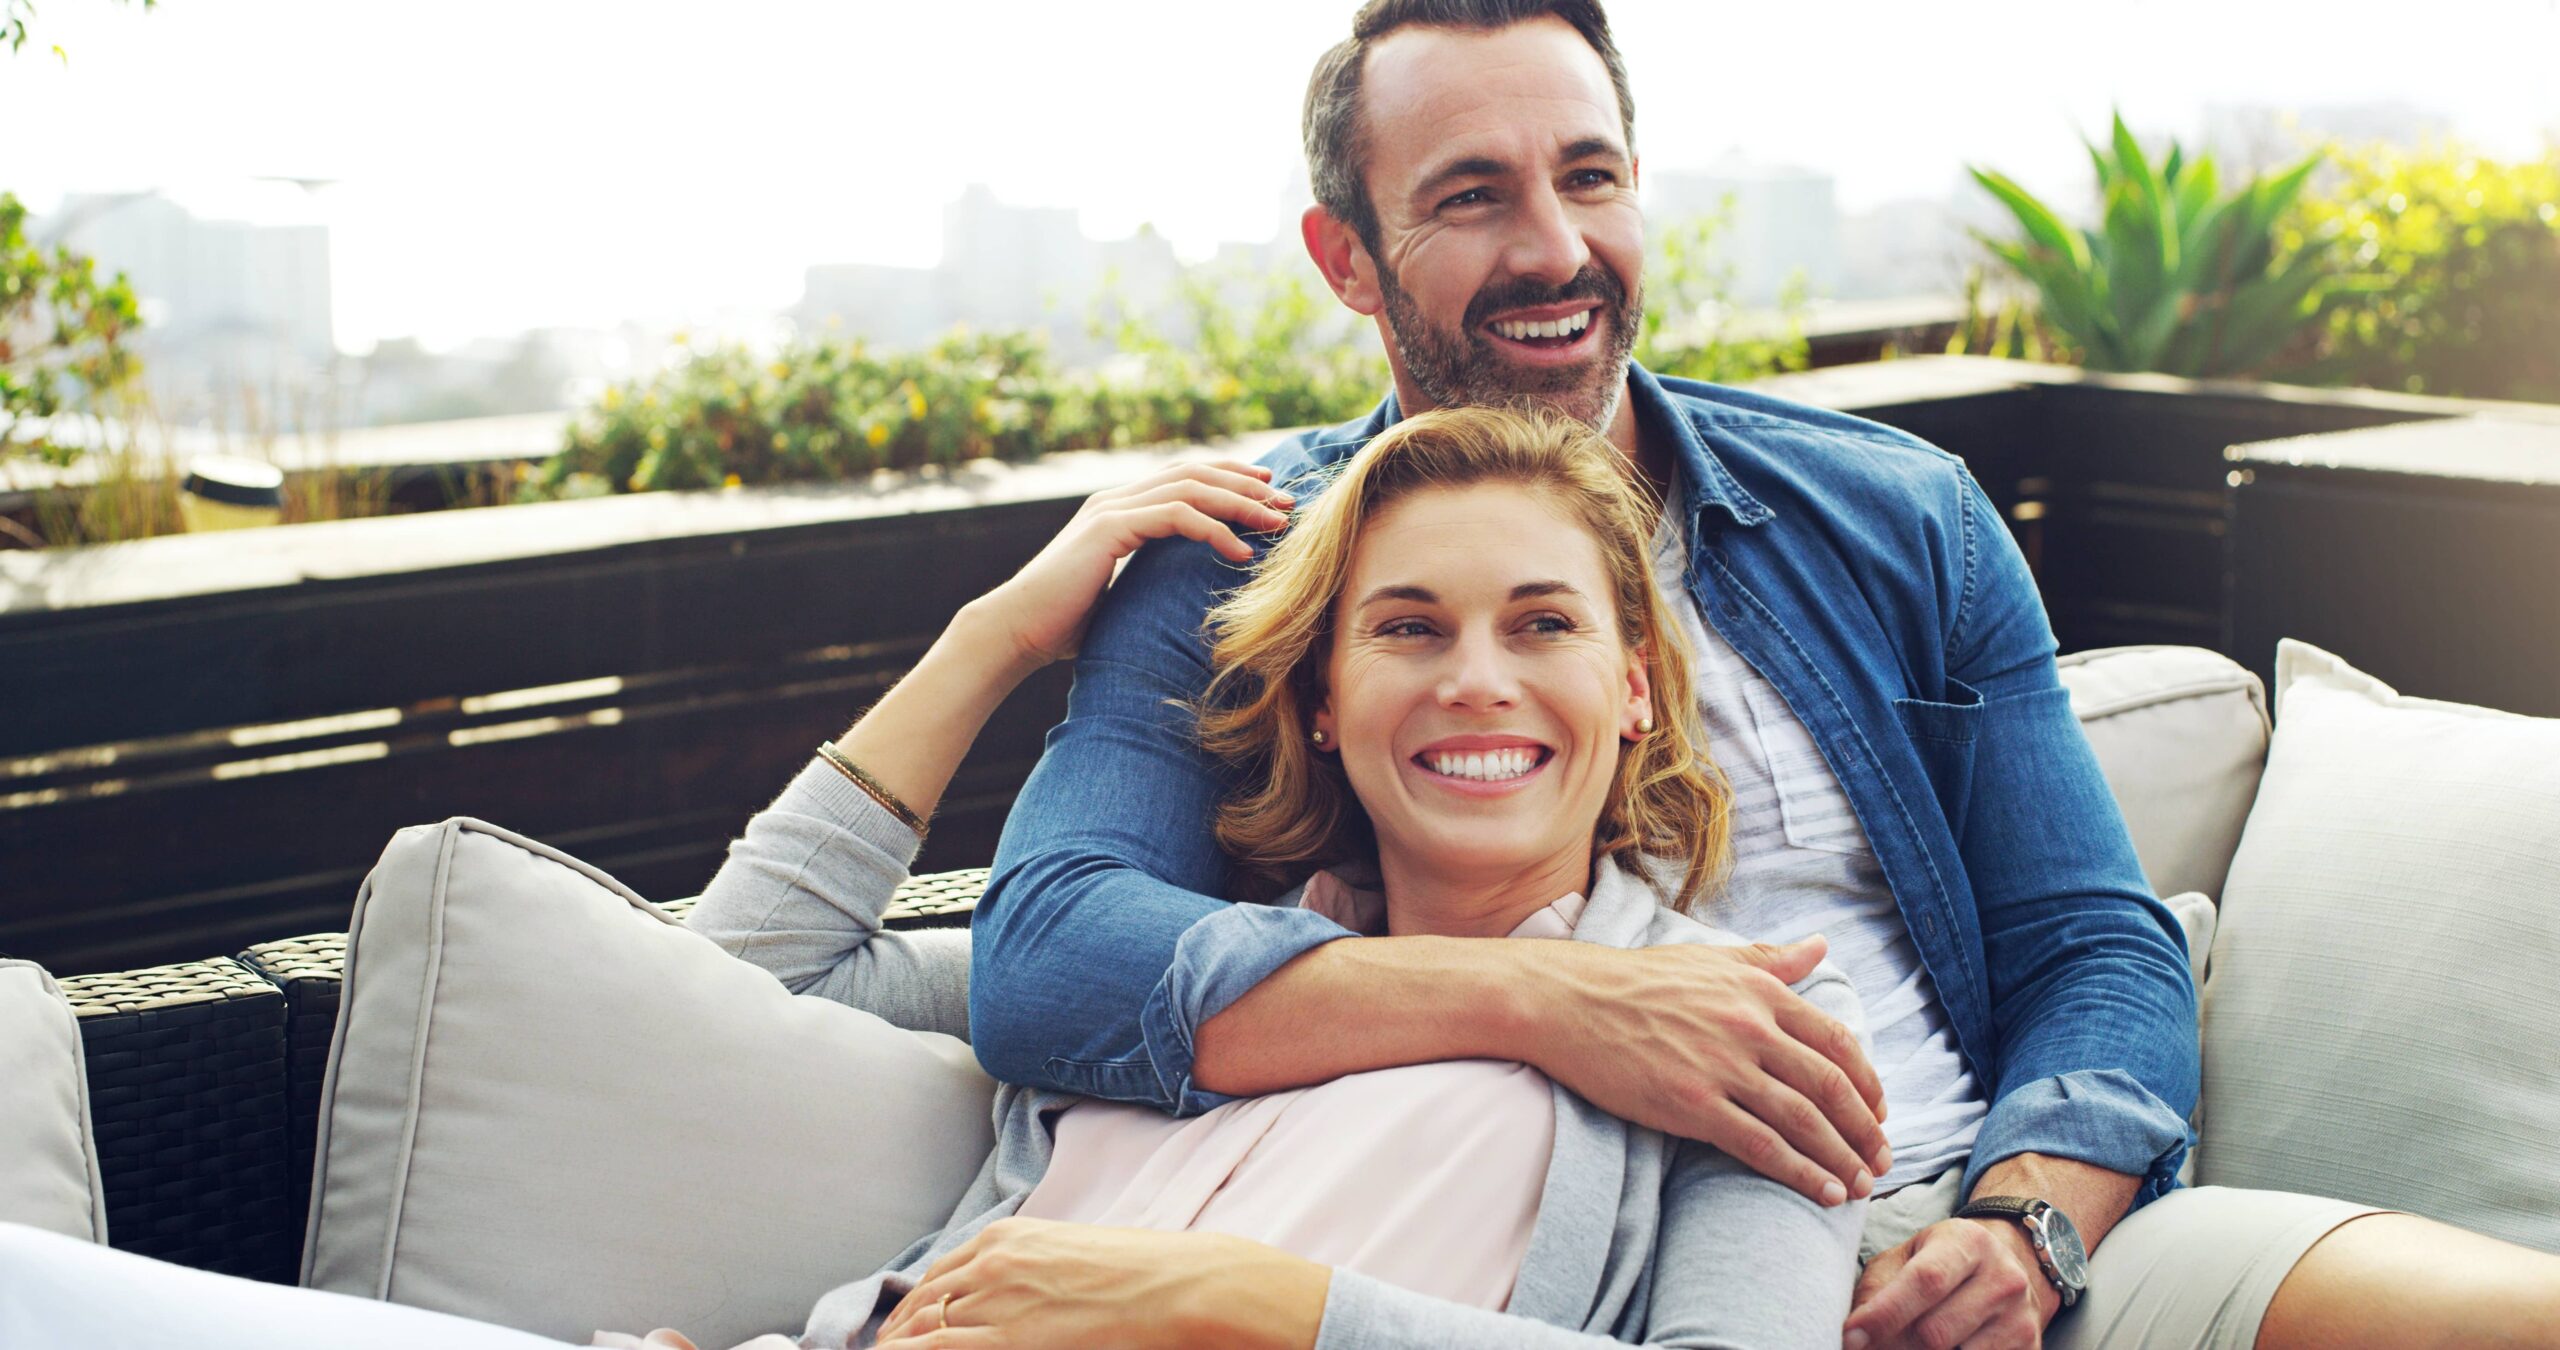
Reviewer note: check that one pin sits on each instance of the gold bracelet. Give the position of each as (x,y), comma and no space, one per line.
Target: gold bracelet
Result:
(871,786)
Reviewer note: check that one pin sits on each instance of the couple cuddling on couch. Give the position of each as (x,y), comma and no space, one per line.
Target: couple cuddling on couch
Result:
(1673,676)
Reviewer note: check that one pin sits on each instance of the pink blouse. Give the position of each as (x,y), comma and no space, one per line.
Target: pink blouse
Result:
(1426,1176)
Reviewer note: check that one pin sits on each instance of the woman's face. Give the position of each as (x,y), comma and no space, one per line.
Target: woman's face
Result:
(1480,688)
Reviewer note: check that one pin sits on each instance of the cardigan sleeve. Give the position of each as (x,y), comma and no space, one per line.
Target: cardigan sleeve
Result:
(801,894)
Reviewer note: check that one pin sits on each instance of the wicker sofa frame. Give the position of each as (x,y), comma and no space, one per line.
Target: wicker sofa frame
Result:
(204,1086)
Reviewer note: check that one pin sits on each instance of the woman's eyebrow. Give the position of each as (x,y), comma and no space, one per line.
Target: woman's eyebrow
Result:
(1415,594)
(1421,595)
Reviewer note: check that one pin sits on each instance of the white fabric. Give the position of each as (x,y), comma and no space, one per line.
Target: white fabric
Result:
(2181,734)
(551,1107)
(1802,865)
(48,1156)
(56,1292)
(2382,1014)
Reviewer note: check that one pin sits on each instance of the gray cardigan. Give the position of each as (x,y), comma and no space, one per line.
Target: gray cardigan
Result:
(1640,1238)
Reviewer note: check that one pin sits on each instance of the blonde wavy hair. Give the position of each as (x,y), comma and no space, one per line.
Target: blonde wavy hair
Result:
(1272,639)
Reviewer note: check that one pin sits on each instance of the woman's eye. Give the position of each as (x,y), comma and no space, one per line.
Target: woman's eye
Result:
(1404,628)
(1551,624)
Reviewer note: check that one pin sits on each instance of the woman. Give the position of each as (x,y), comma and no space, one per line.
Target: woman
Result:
(1452,685)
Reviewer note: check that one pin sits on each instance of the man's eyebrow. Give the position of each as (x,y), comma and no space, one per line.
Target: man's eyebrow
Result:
(1473,166)
(1595,147)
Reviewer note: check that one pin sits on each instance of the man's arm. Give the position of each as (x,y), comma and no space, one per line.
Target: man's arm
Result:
(2092,1000)
(1103,962)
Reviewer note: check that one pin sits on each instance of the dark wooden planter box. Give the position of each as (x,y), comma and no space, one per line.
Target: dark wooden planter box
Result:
(205,741)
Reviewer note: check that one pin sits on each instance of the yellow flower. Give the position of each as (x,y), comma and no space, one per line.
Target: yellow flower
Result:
(878,435)
(657,438)
(915,405)
(612,397)
(780,441)
(779,369)
(733,480)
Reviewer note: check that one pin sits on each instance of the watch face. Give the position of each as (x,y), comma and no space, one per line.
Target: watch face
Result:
(2070,1259)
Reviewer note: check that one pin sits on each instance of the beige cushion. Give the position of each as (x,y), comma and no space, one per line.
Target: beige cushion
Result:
(2181,734)
(48,1154)
(2382,1014)
(551,1107)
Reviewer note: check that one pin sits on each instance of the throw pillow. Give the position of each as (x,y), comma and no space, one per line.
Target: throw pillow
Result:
(551,1107)
(2181,734)
(48,1156)
(2382,1021)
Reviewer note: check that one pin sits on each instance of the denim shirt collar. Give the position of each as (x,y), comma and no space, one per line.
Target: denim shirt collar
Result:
(1704,480)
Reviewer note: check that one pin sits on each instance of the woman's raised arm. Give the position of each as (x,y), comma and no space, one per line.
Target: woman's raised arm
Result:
(802,893)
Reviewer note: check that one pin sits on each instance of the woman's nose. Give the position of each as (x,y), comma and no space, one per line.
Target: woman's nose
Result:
(1479,674)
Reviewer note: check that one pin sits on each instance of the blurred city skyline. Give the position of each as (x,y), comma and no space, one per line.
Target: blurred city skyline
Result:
(488,169)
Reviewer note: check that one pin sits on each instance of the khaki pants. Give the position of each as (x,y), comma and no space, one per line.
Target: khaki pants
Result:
(2195,1267)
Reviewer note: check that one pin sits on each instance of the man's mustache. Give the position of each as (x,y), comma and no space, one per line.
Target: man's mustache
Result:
(1591,283)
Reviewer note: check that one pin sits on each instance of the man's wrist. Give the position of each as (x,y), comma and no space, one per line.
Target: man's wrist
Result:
(2013,1237)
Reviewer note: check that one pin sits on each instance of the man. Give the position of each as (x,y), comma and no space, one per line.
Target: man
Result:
(1878,674)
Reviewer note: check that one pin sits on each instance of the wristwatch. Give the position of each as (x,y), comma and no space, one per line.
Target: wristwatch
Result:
(2049,1231)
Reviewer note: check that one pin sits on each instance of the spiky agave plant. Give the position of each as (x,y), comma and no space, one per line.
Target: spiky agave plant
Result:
(2179,276)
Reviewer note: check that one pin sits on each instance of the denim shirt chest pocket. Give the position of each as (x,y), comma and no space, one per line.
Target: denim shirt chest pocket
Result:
(1943,735)
(1811,803)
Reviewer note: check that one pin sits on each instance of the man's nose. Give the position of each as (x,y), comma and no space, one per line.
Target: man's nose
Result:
(1546,242)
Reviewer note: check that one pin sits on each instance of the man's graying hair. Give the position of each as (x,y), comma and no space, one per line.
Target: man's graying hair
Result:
(1337,153)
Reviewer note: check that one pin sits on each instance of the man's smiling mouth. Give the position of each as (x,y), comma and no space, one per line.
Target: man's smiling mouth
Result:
(1567,328)
(1564,333)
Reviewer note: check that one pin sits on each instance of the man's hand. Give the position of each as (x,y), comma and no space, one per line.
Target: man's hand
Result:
(1710,1044)
(1968,1282)
(1976,1282)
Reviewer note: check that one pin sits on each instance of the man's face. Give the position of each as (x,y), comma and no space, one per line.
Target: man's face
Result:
(1510,248)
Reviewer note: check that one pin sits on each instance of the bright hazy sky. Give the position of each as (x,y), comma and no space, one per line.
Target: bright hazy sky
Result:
(507,163)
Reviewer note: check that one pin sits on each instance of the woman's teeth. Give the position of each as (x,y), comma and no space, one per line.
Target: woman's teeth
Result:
(1489,765)
(1557,328)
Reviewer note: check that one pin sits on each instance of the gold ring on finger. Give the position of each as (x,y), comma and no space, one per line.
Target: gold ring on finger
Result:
(944,1309)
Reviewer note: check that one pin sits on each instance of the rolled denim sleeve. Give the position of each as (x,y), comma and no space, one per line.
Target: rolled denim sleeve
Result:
(1100,945)
(2093,1006)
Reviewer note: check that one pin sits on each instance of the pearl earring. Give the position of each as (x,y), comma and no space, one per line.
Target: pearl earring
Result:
(1644,725)
(1317,736)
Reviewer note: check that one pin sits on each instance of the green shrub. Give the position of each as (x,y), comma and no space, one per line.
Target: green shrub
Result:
(63,338)
(2468,250)
(1692,329)
(2178,276)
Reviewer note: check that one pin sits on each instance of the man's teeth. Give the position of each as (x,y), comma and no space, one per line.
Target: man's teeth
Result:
(1489,765)
(1564,327)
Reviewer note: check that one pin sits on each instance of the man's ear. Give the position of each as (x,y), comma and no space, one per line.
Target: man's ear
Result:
(1343,259)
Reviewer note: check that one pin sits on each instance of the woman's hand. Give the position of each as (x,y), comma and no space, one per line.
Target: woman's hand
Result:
(1031,1284)
(1043,609)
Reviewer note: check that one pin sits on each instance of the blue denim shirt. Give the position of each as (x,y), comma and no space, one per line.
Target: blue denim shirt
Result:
(1865,575)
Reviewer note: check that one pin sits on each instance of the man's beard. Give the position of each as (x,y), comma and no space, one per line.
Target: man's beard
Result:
(1466,368)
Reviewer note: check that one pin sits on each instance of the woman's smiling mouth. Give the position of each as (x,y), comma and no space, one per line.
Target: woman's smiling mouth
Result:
(1480,771)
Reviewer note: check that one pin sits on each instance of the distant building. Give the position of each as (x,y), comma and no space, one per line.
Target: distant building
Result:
(234,285)
(1003,267)
(2254,137)
(1780,222)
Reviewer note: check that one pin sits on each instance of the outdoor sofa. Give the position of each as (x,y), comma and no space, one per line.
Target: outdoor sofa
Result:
(517,1091)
